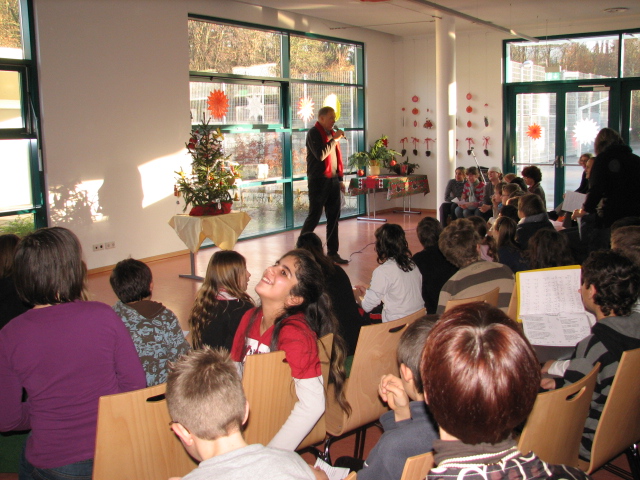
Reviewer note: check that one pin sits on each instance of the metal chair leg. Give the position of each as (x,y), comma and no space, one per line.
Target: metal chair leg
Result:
(326,455)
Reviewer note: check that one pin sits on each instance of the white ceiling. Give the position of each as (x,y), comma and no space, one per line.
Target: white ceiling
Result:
(408,18)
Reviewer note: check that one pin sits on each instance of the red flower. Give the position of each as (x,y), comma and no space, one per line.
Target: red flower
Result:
(385,142)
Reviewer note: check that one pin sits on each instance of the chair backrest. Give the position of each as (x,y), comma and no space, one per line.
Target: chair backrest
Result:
(490,297)
(270,391)
(414,316)
(375,356)
(134,440)
(319,432)
(351,476)
(417,467)
(267,386)
(512,311)
(619,424)
(554,428)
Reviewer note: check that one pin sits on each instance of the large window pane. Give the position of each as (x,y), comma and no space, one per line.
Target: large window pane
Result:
(634,129)
(10,100)
(265,205)
(308,98)
(218,48)
(15,175)
(10,37)
(631,55)
(535,136)
(322,60)
(259,154)
(231,103)
(301,203)
(20,225)
(563,59)
(586,113)
(299,151)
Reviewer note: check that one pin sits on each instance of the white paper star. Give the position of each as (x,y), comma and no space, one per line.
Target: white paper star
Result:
(585,131)
(305,109)
(255,107)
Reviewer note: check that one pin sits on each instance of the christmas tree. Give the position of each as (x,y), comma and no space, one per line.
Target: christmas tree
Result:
(212,174)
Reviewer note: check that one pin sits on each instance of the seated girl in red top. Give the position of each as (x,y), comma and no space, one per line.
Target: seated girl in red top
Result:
(294,312)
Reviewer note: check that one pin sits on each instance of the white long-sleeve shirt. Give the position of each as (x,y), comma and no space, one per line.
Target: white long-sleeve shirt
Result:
(400,291)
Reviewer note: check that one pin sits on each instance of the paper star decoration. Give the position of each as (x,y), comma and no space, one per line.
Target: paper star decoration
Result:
(218,104)
(332,101)
(255,107)
(534,131)
(305,109)
(585,131)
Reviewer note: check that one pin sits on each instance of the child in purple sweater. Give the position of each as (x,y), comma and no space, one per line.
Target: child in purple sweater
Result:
(65,353)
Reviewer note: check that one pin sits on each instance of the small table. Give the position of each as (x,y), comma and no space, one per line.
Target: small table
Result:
(223,230)
(396,186)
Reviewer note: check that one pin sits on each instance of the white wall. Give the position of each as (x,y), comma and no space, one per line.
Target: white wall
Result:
(114,87)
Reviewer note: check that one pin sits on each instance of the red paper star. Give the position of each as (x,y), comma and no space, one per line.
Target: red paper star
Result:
(218,104)
(534,131)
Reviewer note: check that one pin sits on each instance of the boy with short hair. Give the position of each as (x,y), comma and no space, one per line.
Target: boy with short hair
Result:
(409,429)
(154,329)
(610,286)
(208,408)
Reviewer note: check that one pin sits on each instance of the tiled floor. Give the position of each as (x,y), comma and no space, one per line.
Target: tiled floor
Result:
(356,239)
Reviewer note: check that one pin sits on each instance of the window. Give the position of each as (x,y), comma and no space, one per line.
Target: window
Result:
(268,86)
(21,194)
(563,59)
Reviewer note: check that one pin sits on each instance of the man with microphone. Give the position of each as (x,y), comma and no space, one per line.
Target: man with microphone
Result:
(324,174)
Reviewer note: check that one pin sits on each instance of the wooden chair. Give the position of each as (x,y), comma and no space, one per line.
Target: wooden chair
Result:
(375,356)
(134,439)
(512,311)
(619,426)
(351,476)
(414,316)
(490,297)
(417,467)
(554,428)
(270,391)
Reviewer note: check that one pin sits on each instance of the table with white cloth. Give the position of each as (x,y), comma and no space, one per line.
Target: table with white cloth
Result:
(222,230)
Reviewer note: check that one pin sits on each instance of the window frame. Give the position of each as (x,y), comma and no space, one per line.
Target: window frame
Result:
(287,112)
(30,106)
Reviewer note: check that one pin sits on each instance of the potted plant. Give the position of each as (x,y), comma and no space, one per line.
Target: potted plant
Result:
(404,168)
(212,176)
(380,155)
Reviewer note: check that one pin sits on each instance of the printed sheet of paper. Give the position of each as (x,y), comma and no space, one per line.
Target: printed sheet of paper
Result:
(550,307)
(561,330)
(573,201)
(334,473)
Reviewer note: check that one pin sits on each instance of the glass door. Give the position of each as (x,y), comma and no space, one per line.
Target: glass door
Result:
(551,126)
(630,129)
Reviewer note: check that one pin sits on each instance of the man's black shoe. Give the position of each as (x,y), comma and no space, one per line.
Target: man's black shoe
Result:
(337,259)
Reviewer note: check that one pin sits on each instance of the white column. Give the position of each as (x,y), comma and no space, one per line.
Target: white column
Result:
(445,102)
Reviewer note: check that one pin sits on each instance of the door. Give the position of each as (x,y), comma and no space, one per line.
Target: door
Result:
(551,126)
(630,100)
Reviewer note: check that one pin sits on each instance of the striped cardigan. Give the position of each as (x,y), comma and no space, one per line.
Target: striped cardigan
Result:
(609,338)
(476,279)
(479,190)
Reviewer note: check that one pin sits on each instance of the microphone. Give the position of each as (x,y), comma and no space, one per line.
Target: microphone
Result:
(343,136)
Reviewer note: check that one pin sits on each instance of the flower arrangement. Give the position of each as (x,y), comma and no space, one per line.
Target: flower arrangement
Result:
(380,155)
(212,174)
(404,168)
